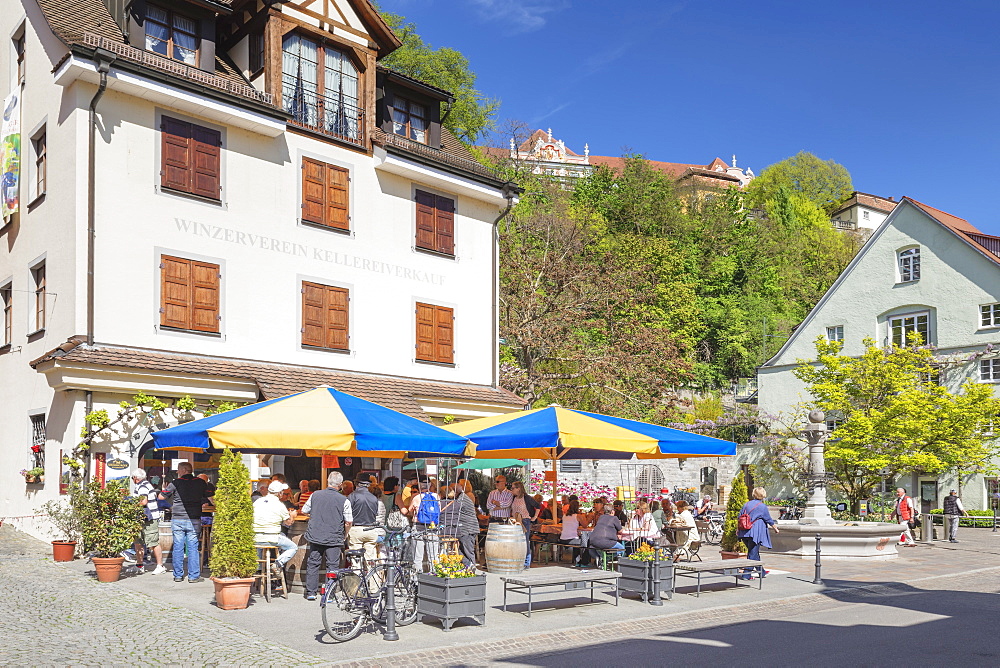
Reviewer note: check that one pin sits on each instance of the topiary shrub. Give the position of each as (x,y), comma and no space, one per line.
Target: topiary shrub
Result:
(737,497)
(233,553)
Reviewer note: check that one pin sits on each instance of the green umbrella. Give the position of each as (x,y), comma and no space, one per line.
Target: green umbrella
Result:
(480,464)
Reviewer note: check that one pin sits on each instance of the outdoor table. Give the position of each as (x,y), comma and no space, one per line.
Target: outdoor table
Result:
(726,567)
(568,579)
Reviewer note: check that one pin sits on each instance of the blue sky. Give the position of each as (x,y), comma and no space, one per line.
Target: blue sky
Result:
(904,94)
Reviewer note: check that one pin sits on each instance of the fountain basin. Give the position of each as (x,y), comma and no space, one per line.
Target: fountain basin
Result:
(841,540)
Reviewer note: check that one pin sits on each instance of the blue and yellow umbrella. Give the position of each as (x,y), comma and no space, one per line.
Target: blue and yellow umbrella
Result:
(318,421)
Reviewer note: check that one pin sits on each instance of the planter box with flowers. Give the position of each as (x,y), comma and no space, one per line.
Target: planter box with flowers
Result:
(451,592)
(33,476)
(646,570)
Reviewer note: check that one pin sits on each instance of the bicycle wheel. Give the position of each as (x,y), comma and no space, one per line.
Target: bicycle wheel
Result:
(342,615)
(714,536)
(405,598)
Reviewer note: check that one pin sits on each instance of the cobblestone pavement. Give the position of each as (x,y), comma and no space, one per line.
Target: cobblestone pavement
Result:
(53,616)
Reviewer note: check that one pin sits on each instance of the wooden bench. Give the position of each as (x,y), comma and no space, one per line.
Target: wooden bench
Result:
(726,567)
(567,579)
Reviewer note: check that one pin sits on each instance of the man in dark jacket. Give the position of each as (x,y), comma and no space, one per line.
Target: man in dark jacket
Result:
(330,519)
(369,517)
(458,519)
(187,495)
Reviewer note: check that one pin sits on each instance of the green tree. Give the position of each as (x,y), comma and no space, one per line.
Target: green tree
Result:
(233,553)
(896,416)
(109,519)
(472,113)
(737,498)
(825,183)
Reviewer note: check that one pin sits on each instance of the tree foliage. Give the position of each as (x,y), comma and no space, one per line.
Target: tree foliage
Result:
(824,183)
(896,416)
(109,519)
(472,113)
(233,553)
(737,498)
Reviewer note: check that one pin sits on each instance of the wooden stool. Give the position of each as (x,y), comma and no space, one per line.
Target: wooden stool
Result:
(264,577)
(449,545)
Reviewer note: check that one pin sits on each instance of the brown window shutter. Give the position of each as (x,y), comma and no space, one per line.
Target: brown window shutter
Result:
(205,297)
(313,314)
(337,318)
(313,191)
(444,335)
(444,228)
(425,332)
(175,155)
(337,182)
(175,292)
(206,174)
(425,221)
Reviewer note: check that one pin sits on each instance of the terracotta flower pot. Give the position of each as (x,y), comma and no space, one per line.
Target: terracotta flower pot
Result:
(109,569)
(232,593)
(732,555)
(62,550)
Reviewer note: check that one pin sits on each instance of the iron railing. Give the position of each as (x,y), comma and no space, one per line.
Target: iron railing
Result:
(844,224)
(333,116)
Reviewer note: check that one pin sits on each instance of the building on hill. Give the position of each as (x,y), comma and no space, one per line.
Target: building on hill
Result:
(862,211)
(259,208)
(921,270)
(551,157)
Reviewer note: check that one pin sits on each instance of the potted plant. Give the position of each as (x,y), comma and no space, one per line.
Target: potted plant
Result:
(66,521)
(733,547)
(34,475)
(647,571)
(110,522)
(233,559)
(451,591)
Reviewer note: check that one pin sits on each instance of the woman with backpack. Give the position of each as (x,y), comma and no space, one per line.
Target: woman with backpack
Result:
(752,528)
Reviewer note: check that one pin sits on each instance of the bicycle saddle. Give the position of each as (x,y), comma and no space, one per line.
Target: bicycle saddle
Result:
(354,553)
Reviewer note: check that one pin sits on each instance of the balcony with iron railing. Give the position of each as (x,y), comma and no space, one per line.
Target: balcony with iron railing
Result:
(333,116)
(844,224)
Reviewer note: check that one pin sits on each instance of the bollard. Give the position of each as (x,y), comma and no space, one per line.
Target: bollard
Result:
(818,579)
(390,596)
(994,520)
(656,600)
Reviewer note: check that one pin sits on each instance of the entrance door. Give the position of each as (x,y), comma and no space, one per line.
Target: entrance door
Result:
(928,495)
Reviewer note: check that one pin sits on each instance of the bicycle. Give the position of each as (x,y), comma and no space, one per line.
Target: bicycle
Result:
(355,595)
(713,535)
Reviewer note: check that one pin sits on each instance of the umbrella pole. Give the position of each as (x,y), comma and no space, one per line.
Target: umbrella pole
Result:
(556,515)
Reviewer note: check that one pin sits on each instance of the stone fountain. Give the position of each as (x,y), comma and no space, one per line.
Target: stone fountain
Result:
(841,540)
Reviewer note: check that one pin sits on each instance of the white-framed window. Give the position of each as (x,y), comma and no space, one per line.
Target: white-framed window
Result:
(835,333)
(832,425)
(865,215)
(900,327)
(989,371)
(989,315)
(909,265)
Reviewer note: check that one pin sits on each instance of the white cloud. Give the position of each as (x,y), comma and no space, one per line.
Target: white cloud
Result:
(518,16)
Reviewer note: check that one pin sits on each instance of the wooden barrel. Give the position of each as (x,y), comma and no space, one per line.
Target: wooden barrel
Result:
(505,549)
(295,569)
(166,538)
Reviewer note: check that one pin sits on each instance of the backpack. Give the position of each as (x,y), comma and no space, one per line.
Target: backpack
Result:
(743,522)
(429,511)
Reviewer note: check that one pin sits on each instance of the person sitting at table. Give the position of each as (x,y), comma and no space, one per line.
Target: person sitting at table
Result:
(618,510)
(657,513)
(546,513)
(596,511)
(704,506)
(685,531)
(570,535)
(640,528)
(606,535)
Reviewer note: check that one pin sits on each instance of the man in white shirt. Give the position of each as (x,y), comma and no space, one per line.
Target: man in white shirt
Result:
(269,513)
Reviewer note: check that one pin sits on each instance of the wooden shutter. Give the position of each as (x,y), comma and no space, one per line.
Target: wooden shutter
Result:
(425,220)
(175,292)
(206,145)
(425,332)
(175,154)
(313,313)
(313,191)
(444,228)
(444,331)
(205,297)
(337,210)
(336,318)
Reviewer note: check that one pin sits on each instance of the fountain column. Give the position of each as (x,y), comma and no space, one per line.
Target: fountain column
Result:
(816,511)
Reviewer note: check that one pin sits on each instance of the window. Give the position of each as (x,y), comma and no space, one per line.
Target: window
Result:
(989,315)
(38,144)
(435,333)
(909,265)
(989,371)
(409,119)
(570,465)
(6,298)
(835,333)
(172,35)
(901,326)
(190,158)
(189,294)
(325,316)
(37,457)
(319,88)
(832,425)
(38,275)
(19,54)
(435,223)
(325,194)
(865,215)
(256,45)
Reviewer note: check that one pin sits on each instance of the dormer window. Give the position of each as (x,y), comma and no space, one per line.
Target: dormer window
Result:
(319,88)
(909,265)
(409,119)
(172,35)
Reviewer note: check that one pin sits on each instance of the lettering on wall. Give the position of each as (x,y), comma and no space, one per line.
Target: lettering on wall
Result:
(275,245)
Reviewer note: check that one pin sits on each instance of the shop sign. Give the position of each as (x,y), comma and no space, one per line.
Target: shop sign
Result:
(118,464)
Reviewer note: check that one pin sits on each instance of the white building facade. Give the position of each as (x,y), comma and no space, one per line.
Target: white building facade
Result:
(922,270)
(265,209)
